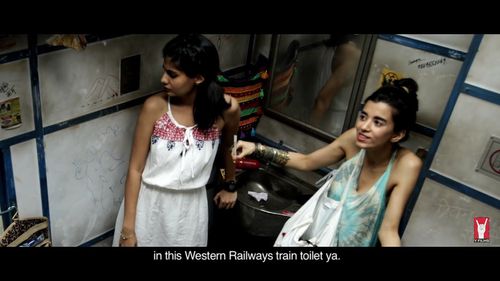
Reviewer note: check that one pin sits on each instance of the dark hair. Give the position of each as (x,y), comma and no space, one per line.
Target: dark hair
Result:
(401,95)
(195,55)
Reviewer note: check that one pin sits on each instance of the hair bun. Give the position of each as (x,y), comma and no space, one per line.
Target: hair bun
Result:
(407,84)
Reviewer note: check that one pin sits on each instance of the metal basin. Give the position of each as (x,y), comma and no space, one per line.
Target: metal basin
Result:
(286,194)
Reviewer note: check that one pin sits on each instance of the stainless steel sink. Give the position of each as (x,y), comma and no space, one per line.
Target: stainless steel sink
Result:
(286,194)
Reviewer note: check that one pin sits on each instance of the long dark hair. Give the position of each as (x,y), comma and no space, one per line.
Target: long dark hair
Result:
(401,95)
(195,55)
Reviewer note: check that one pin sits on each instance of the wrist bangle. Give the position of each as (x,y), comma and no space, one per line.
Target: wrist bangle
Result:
(124,236)
(259,150)
(230,186)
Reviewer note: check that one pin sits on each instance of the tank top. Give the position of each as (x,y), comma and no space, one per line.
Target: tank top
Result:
(363,213)
(180,157)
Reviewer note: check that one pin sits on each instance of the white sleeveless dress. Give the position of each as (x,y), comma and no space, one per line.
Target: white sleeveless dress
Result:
(172,209)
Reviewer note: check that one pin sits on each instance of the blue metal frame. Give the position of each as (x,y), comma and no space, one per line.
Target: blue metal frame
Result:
(13,56)
(94,115)
(17,139)
(424,130)
(38,134)
(7,192)
(480,93)
(425,172)
(37,112)
(463,188)
(98,239)
(9,189)
(424,46)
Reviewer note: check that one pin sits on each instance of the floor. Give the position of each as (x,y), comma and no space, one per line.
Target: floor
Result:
(104,243)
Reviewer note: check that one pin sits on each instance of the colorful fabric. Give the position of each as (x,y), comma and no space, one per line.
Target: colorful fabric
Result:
(246,84)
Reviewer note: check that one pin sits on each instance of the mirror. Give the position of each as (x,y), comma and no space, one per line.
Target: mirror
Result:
(315,80)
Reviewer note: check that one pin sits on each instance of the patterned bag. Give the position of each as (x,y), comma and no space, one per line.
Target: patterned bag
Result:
(246,84)
(28,232)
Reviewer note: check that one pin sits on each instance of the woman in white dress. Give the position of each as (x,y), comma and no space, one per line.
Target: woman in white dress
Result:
(176,140)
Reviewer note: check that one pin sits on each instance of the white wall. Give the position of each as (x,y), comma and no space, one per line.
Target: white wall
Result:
(443,216)
(86,163)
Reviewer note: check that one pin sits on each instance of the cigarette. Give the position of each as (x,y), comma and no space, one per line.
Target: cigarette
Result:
(235,139)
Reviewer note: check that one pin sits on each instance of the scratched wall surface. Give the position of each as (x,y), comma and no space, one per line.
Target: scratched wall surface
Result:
(75,83)
(87,163)
(86,170)
(434,74)
(445,217)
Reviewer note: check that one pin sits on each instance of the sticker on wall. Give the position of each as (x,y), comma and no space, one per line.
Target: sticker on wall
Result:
(490,161)
(10,114)
(388,76)
(481,230)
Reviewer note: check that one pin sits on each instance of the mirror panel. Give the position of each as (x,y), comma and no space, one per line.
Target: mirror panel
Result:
(315,80)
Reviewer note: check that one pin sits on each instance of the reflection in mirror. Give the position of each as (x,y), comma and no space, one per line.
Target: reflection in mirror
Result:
(313,78)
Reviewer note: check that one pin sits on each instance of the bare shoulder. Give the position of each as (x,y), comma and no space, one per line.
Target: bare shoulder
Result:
(407,161)
(155,104)
(154,107)
(349,136)
(234,110)
(347,141)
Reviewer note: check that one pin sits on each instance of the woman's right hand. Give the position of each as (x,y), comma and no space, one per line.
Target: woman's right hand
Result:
(131,242)
(244,148)
(127,239)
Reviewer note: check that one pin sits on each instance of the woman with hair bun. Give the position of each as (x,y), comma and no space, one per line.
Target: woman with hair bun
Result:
(384,173)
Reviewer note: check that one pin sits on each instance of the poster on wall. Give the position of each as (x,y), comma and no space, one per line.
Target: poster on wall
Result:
(10,113)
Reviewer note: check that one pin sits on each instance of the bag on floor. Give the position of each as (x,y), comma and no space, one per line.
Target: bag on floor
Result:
(28,232)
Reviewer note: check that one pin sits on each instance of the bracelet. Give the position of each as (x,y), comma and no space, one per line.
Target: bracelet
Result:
(124,236)
(271,154)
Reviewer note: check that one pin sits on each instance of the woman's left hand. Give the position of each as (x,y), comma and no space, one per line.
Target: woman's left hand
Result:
(225,199)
